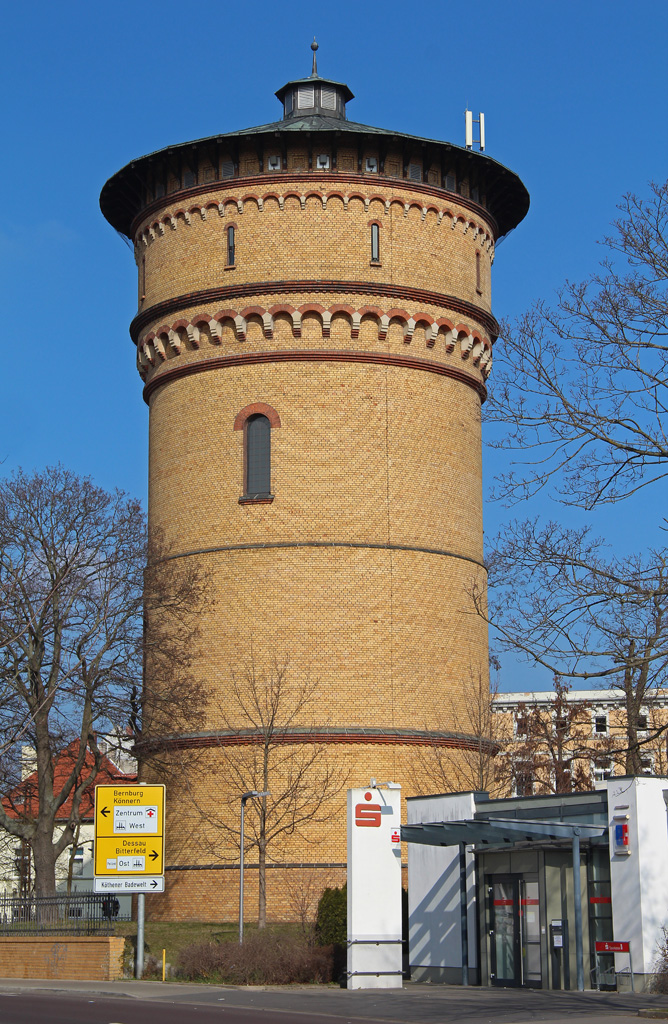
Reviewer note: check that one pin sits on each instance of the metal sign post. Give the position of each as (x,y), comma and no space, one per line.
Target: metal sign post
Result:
(130,846)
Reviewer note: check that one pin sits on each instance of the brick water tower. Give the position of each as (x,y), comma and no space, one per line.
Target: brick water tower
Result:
(314,335)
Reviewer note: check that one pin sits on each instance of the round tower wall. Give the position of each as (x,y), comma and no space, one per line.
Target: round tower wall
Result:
(362,570)
(432,243)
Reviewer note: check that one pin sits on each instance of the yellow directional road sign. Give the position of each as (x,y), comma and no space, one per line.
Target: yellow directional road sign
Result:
(129,831)
(129,856)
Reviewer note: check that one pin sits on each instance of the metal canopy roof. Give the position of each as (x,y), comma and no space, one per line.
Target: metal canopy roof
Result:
(495,832)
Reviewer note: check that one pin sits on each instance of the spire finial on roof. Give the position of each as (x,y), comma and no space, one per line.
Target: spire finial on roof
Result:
(314,69)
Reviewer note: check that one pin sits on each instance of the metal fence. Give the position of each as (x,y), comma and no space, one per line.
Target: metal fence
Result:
(80,914)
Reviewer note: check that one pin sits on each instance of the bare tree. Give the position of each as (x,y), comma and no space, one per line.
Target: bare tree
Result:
(552,749)
(268,745)
(580,395)
(449,765)
(582,388)
(559,599)
(72,562)
(306,887)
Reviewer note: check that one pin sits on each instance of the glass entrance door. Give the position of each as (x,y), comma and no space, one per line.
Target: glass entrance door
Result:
(504,933)
(530,932)
(515,931)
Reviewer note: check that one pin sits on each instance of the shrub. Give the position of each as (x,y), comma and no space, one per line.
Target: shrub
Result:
(660,973)
(331,927)
(331,924)
(152,967)
(265,958)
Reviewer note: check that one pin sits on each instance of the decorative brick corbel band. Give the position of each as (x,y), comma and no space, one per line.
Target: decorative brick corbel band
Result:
(379,290)
(170,340)
(235,195)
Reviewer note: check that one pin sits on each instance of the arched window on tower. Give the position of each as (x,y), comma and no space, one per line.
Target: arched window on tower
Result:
(258,457)
(257,422)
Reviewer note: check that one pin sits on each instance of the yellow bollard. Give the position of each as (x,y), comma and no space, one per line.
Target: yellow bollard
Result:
(163,965)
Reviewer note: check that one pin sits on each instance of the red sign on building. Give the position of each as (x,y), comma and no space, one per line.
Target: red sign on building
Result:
(613,947)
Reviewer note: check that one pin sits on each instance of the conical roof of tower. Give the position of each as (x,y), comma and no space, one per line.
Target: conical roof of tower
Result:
(316,107)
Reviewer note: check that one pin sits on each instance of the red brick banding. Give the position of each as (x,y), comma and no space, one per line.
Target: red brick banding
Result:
(305,356)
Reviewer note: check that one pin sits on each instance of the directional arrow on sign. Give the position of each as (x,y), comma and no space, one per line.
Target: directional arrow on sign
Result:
(153,855)
(154,884)
(104,812)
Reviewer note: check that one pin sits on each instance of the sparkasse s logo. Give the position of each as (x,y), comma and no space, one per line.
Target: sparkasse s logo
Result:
(367,815)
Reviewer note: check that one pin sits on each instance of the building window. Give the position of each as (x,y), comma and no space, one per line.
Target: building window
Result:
(524,779)
(258,457)
(288,102)
(189,179)
(641,723)
(646,765)
(450,182)
(602,769)
(600,723)
(257,421)
(521,726)
(414,172)
(227,169)
(375,243)
(478,274)
(78,861)
(231,244)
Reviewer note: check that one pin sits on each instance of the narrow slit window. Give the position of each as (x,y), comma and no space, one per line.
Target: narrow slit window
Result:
(375,243)
(231,245)
(478,274)
(258,457)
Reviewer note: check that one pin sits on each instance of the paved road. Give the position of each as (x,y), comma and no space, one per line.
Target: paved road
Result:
(25,1002)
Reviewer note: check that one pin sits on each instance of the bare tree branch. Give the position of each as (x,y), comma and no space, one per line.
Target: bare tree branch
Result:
(582,389)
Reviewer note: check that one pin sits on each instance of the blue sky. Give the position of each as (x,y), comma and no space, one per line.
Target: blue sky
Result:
(574,95)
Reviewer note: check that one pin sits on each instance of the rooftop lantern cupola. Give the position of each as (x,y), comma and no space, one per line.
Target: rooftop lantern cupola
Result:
(314,96)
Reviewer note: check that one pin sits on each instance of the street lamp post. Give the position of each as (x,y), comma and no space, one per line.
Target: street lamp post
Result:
(253,793)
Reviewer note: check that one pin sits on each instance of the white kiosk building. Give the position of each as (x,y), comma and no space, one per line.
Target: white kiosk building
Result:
(566,891)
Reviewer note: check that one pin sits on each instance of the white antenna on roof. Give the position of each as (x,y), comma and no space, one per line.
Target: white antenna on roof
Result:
(469,122)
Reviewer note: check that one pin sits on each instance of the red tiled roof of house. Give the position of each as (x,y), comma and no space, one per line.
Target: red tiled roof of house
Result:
(23,800)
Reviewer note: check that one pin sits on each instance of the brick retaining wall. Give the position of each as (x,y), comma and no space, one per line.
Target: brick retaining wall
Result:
(96,958)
